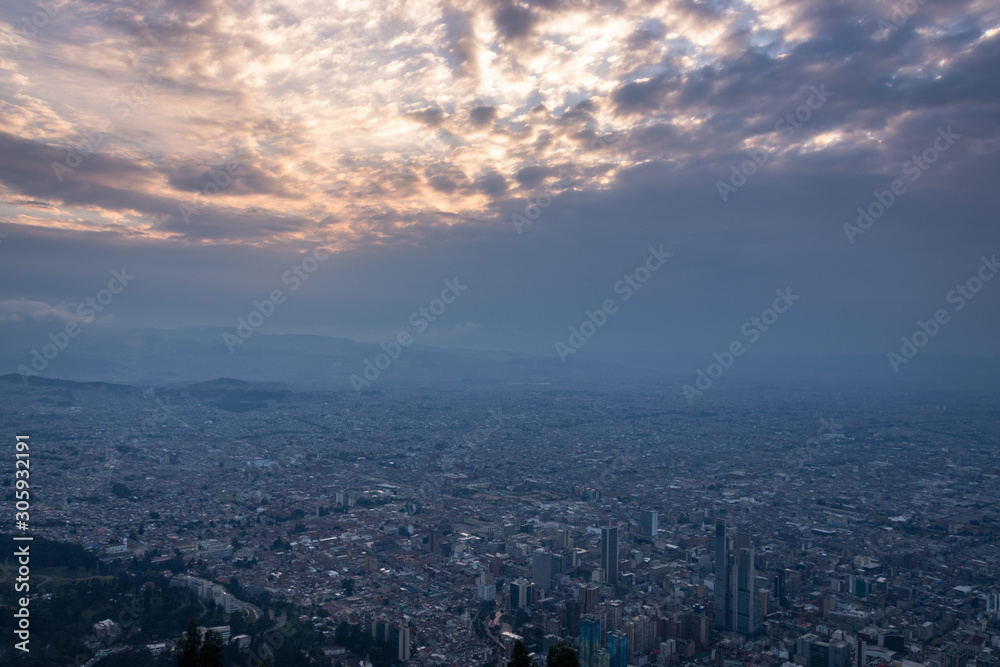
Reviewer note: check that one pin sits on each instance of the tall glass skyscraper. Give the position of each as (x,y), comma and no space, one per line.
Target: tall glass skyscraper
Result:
(649,522)
(737,607)
(590,639)
(723,593)
(609,553)
(618,649)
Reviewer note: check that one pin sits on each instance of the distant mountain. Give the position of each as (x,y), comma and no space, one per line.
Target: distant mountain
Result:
(155,357)
(175,357)
(56,383)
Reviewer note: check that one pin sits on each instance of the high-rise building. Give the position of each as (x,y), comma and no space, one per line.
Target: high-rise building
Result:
(840,654)
(618,649)
(609,554)
(562,539)
(572,617)
(667,650)
(723,603)
(400,638)
(746,592)
(613,615)
(486,587)
(518,594)
(541,570)
(590,596)
(649,522)
(590,639)
(811,651)
(737,605)
(560,565)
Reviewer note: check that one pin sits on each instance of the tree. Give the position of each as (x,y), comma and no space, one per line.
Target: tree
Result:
(187,648)
(519,656)
(562,655)
(211,651)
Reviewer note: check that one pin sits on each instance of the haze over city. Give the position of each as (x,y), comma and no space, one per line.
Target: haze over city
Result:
(516,333)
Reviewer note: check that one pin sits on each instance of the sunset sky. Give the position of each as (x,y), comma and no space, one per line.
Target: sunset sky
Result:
(402,137)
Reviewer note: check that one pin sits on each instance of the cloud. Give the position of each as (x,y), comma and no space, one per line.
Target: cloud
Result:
(513,21)
(480,116)
(427,124)
(492,183)
(531,176)
(465,328)
(21,310)
(431,116)
(645,95)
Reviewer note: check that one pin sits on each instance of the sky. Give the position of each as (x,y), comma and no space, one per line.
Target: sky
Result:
(534,153)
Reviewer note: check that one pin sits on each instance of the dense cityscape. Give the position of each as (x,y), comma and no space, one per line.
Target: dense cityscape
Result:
(452,524)
(499,333)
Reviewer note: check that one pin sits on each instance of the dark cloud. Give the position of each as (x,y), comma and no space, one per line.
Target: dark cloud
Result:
(431,116)
(513,22)
(27,166)
(492,183)
(641,96)
(238,175)
(647,34)
(449,179)
(98,180)
(121,185)
(531,176)
(461,43)
(481,116)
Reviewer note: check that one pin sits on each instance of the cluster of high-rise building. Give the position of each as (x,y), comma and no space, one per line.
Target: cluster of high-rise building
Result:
(775,541)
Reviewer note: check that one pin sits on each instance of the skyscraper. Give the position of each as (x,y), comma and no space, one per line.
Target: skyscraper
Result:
(618,648)
(590,639)
(723,602)
(541,570)
(649,522)
(519,594)
(746,592)
(590,595)
(609,554)
(737,605)
(815,652)
(399,637)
